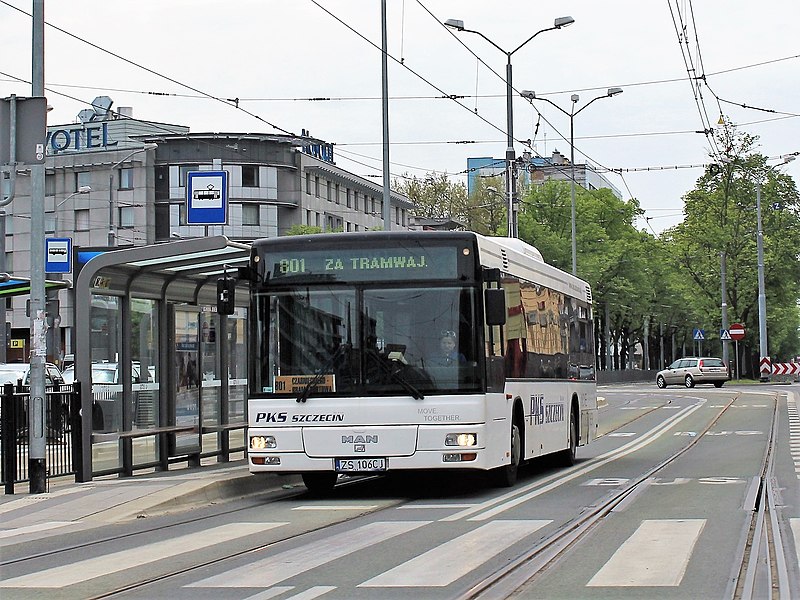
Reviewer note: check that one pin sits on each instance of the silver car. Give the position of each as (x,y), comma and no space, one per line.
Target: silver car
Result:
(693,370)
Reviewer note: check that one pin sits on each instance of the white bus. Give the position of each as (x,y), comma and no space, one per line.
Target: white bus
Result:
(347,366)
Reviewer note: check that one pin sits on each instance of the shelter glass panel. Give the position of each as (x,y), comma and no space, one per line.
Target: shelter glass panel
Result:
(106,347)
(211,377)
(145,386)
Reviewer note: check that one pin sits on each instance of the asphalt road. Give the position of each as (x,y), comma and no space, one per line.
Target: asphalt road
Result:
(661,505)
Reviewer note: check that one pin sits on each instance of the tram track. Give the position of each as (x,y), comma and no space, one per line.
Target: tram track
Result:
(761,561)
(763,571)
(763,541)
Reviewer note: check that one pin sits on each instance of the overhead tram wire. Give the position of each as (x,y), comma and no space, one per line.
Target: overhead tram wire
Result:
(691,71)
(234,103)
(414,97)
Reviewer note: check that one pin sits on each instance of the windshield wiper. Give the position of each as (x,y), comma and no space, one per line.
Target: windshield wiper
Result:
(322,371)
(395,374)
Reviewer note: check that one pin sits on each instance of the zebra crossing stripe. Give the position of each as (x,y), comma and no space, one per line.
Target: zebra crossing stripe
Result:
(269,571)
(437,568)
(84,570)
(38,527)
(657,555)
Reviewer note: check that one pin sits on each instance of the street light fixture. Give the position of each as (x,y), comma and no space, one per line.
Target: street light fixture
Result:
(84,189)
(112,228)
(530,95)
(458,25)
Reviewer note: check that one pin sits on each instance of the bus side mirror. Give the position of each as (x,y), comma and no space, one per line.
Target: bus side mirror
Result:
(495,301)
(226,293)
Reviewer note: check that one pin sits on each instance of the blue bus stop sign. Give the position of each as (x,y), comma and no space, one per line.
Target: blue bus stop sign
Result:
(58,255)
(207,198)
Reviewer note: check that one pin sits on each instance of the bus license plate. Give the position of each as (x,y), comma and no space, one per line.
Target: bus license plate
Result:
(359,465)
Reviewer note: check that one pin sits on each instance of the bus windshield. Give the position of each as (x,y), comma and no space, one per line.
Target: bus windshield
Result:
(362,341)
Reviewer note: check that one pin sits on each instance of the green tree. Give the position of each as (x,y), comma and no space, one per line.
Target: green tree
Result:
(303,230)
(721,219)
(435,196)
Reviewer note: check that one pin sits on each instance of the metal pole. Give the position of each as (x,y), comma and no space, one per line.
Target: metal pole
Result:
(510,156)
(572,189)
(37,470)
(112,234)
(387,192)
(723,275)
(763,350)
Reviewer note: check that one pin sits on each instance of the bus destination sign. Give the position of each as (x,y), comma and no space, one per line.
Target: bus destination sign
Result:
(373,264)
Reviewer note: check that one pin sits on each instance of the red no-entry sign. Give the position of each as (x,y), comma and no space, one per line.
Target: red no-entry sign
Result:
(737,331)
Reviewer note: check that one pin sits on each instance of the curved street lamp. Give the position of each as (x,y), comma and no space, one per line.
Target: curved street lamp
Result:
(84,189)
(530,95)
(112,228)
(458,25)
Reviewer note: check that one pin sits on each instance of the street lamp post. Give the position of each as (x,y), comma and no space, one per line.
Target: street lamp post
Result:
(458,25)
(762,295)
(530,95)
(84,189)
(112,228)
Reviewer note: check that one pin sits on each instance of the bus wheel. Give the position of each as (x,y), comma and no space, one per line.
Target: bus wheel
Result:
(320,482)
(567,457)
(506,476)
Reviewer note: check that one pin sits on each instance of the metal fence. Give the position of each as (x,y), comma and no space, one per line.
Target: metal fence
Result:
(62,427)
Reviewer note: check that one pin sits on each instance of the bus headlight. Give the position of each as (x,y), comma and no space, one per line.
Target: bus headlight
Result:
(461,439)
(262,442)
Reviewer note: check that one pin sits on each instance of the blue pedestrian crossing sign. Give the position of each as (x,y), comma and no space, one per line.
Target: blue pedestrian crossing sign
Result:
(699,334)
(207,198)
(724,334)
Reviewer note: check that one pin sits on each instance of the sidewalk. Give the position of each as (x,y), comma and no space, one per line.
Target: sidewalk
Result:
(112,499)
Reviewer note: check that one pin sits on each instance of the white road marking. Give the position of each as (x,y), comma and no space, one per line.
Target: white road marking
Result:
(271,593)
(7,533)
(657,554)
(795,524)
(314,592)
(426,506)
(282,566)
(528,492)
(328,507)
(84,570)
(437,567)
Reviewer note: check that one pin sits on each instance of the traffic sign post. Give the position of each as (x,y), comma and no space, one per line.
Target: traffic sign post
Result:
(737,333)
(207,198)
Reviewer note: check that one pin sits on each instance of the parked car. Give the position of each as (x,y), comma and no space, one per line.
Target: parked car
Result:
(20,372)
(690,371)
(13,372)
(107,403)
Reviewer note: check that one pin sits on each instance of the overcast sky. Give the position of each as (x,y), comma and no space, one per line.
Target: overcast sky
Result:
(275,55)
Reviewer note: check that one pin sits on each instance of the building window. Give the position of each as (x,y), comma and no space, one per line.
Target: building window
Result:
(355,200)
(126,179)
(82,222)
(349,199)
(336,194)
(308,183)
(184,173)
(251,214)
(249,175)
(49,185)
(182,214)
(127,218)
(82,178)
(316,187)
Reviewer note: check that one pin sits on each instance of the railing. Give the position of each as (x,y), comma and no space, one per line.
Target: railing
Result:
(62,427)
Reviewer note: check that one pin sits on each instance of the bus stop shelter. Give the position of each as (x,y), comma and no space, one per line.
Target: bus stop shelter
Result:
(163,375)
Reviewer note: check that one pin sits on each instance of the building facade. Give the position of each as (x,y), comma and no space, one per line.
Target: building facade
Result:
(535,170)
(115,181)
